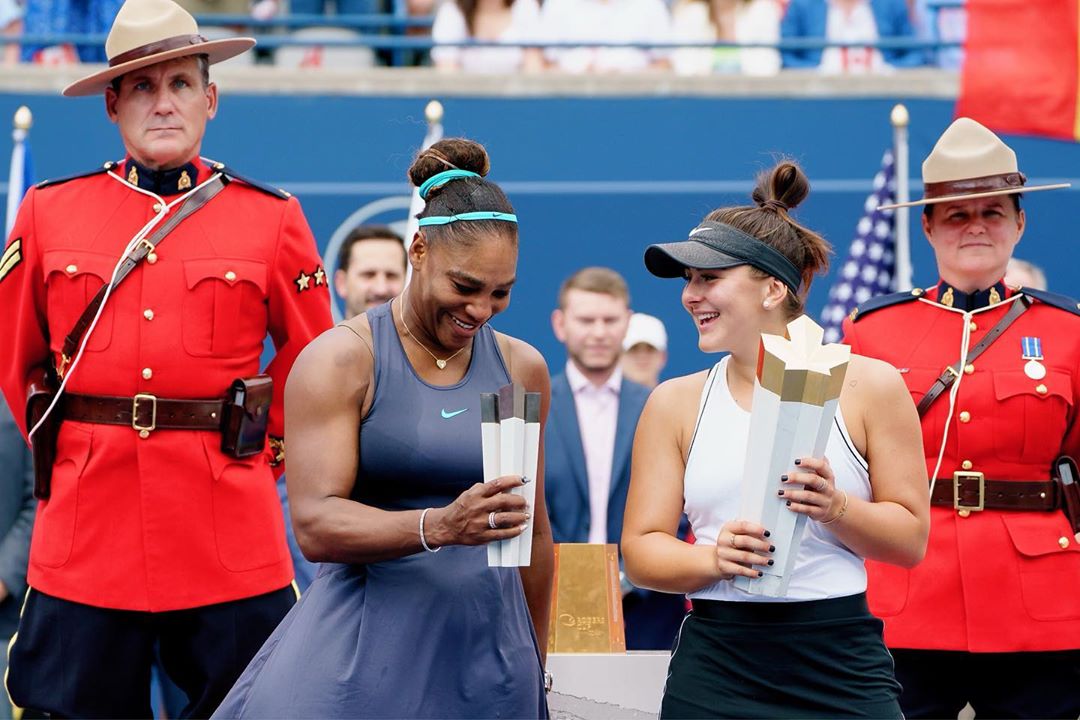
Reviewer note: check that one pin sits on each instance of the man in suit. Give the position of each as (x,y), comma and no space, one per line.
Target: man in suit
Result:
(587,464)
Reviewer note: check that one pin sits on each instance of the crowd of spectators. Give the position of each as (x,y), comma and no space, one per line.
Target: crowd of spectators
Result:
(573,36)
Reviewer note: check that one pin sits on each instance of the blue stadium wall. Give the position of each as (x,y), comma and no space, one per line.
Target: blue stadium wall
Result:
(594,181)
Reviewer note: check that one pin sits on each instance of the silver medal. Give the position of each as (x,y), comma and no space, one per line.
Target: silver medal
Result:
(1035,370)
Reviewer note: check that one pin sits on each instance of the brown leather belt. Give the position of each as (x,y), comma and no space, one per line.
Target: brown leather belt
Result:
(971,491)
(144,412)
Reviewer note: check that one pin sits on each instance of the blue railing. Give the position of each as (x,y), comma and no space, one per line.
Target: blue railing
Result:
(387,32)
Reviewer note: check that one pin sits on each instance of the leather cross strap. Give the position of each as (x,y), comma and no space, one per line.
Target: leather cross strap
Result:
(144,411)
(950,374)
(998,494)
(197,199)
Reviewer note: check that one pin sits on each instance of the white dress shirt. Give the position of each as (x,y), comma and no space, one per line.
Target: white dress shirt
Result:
(598,413)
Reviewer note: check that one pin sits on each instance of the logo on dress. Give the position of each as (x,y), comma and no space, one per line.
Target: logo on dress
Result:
(448,415)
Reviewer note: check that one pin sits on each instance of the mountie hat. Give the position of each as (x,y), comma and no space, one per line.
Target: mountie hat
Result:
(146,32)
(969,161)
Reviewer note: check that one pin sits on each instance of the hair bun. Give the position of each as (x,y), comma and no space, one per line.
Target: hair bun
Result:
(446,154)
(781,188)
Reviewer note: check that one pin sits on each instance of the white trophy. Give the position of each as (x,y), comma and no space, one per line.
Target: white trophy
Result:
(510,434)
(795,399)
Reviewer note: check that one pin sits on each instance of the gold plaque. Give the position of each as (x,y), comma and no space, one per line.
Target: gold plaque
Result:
(586,602)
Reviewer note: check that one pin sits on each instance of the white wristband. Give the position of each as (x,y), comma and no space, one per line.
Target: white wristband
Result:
(423,540)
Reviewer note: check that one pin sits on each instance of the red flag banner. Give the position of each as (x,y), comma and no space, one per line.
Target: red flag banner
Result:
(1020,70)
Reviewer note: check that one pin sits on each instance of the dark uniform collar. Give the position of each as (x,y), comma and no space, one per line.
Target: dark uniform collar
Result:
(949,296)
(160,182)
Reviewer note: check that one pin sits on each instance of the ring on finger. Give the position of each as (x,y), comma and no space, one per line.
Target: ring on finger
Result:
(491,521)
(733,541)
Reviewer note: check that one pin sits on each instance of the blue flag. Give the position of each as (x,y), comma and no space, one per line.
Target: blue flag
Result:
(870,266)
(21,176)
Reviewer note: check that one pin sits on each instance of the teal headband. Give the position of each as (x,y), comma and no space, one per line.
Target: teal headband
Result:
(442,178)
(479,215)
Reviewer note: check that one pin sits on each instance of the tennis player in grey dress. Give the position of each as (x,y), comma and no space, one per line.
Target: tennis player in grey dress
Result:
(405,618)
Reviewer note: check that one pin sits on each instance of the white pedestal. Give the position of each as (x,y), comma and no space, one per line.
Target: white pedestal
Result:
(607,687)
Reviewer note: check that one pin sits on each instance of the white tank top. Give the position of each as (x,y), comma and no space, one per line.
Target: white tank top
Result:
(825,567)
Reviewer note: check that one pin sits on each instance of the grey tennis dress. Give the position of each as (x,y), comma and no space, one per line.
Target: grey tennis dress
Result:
(423,636)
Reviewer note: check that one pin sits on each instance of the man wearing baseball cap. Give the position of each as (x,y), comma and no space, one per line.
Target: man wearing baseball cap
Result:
(644,350)
(991,616)
(144,289)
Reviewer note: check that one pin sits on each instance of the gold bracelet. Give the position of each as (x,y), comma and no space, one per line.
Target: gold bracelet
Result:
(843,509)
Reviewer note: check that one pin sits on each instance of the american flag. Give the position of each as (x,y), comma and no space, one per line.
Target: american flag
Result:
(870,266)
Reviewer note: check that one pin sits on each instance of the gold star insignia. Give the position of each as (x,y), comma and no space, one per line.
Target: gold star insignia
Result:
(303,282)
(185,181)
(320,276)
(133,176)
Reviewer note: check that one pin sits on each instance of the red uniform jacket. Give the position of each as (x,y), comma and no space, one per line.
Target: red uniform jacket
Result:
(994,581)
(167,522)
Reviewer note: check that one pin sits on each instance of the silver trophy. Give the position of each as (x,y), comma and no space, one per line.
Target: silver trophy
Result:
(796,393)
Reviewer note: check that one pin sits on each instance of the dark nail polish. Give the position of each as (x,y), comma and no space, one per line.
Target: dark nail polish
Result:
(772,548)
(767,533)
(783,478)
(771,562)
(760,573)
(780,492)
(788,503)
(525,480)
(798,461)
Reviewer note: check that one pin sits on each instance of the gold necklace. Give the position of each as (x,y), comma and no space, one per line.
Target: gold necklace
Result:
(439,362)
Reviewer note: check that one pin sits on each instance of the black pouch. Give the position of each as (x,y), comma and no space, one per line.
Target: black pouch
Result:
(40,391)
(1069,482)
(245,416)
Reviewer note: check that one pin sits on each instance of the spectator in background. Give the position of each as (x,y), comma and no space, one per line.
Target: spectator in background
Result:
(593,417)
(945,24)
(740,21)
(56,17)
(11,13)
(341,7)
(609,21)
(17,506)
(371,268)
(848,21)
(644,350)
(1023,274)
(258,9)
(506,21)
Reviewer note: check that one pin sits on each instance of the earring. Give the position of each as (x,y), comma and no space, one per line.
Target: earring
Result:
(766,305)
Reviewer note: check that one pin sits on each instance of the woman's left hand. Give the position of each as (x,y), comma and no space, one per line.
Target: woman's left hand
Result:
(818,497)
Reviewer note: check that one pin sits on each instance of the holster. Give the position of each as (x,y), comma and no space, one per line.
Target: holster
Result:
(245,416)
(40,390)
(1068,480)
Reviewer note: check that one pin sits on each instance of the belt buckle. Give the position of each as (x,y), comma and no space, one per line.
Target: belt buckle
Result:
(144,430)
(960,476)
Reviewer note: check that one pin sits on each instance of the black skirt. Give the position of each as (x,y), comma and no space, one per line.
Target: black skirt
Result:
(815,659)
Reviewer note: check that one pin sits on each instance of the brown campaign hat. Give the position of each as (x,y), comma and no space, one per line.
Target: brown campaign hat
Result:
(146,32)
(969,161)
